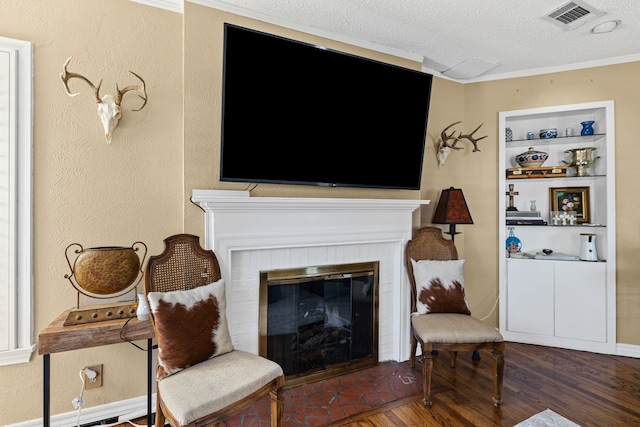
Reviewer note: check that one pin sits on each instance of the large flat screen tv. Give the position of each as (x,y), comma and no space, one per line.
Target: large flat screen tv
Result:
(296,113)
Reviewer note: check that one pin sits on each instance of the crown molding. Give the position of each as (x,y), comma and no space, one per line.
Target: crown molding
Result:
(171,5)
(178,6)
(548,70)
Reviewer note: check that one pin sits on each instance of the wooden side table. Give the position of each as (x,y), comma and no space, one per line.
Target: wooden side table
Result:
(57,338)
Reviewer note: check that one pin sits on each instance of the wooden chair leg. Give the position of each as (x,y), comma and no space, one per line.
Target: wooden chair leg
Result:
(498,375)
(454,357)
(276,397)
(427,369)
(160,419)
(414,347)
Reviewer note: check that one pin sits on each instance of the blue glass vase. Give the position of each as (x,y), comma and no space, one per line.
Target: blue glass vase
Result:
(514,245)
(587,128)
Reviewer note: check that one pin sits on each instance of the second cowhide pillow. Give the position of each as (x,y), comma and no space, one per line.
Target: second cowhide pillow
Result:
(191,326)
(440,286)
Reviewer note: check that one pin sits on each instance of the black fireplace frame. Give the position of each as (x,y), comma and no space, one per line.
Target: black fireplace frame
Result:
(357,276)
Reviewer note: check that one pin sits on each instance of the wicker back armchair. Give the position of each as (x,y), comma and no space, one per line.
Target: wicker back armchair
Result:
(428,244)
(447,331)
(183,265)
(220,386)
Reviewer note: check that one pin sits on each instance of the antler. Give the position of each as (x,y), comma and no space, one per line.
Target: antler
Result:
(444,149)
(470,137)
(445,137)
(108,106)
(66,76)
(142,89)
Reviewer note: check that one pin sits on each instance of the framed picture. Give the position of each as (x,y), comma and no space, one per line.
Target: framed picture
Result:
(571,199)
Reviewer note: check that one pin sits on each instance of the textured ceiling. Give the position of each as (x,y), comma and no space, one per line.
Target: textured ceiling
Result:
(513,34)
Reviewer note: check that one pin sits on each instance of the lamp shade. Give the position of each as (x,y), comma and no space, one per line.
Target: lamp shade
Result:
(452,208)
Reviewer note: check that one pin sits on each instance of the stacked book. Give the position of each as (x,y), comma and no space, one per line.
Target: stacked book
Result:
(525,218)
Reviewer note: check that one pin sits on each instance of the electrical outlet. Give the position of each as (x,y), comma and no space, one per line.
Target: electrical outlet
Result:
(93,383)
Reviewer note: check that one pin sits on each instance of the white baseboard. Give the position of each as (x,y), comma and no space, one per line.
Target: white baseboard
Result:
(629,350)
(124,410)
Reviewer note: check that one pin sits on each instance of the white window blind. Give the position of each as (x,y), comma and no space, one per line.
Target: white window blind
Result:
(6,270)
(16,284)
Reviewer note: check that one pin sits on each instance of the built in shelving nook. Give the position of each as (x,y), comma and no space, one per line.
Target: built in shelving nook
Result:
(551,293)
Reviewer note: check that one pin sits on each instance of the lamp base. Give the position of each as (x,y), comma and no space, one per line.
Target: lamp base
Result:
(452,234)
(452,231)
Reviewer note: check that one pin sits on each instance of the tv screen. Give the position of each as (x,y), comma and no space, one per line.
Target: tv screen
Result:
(295,113)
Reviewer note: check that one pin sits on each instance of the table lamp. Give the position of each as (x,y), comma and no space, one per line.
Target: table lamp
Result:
(452,209)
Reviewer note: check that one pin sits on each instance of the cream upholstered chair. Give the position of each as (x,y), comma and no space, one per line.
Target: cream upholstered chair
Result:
(441,319)
(201,378)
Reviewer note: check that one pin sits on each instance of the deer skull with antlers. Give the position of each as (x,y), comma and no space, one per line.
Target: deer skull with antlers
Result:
(109,105)
(444,149)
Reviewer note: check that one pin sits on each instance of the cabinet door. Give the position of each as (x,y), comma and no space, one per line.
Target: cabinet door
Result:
(530,296)
(580,303)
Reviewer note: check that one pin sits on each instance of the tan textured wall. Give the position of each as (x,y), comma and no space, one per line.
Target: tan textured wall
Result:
(134,189)
(475,173)
(85,190)
(618,83)
(203,83)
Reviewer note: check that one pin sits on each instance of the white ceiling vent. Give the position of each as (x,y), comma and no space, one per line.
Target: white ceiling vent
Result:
(573,14)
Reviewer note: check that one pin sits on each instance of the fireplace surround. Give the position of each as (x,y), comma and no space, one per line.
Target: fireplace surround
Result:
(254,234)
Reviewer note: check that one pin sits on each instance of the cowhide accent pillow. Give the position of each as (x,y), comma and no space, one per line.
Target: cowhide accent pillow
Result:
(191,326)
(440,286)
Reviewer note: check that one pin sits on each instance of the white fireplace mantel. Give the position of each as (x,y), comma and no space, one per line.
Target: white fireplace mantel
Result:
(253,234)
(238,201)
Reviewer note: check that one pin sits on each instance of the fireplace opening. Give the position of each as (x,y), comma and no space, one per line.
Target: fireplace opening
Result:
(319,322)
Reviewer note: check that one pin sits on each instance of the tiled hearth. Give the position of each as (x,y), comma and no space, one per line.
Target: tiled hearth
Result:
(323,402)
(254,234)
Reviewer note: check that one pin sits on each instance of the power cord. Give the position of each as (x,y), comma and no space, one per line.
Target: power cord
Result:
(492,309)
(197,205)
(120,422)
(125,339)
(78,401)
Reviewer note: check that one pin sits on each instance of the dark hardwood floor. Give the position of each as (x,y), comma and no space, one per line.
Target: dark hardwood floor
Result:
(592,390)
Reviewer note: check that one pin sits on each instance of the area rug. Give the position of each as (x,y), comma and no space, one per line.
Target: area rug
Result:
(547,418)
(323,402)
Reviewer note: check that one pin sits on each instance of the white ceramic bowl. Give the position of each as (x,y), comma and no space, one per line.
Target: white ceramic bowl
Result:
(531,158)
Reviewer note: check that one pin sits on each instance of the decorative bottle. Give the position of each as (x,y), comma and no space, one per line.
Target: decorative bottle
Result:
(508,135)
(514,245)
(143,310)
(587,128)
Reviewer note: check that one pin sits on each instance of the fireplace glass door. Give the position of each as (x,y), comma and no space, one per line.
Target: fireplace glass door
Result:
(319,321)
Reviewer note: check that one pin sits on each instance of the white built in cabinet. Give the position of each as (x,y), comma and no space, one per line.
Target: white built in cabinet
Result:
(561,303)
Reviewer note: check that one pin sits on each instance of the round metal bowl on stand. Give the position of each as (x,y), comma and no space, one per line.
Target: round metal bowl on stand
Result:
(103,273)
